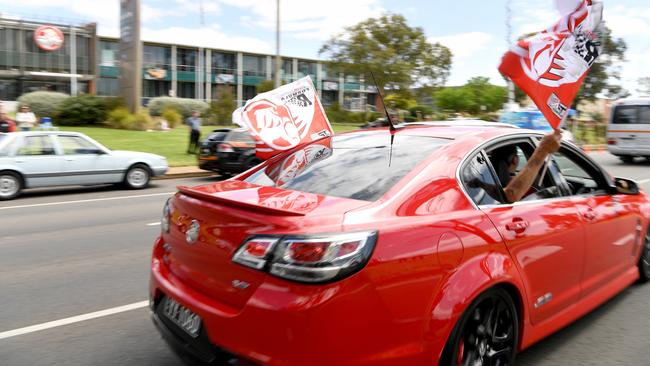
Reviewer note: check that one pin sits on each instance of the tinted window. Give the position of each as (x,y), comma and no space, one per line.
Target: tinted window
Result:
(479,182)
(240,136)
(644,114)
(357,165)
(577,174)
(626,115)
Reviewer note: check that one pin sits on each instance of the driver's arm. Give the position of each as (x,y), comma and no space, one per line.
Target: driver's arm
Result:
(521,183)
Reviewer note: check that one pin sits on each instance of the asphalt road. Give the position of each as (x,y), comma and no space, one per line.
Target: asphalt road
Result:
(70,252)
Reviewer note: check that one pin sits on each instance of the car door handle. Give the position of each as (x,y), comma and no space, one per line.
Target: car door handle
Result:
(69,159)
(589,215)
(517,225)
(19,160)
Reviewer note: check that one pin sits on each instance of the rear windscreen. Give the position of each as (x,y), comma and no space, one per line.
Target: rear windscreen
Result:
(351,166)
(631,114)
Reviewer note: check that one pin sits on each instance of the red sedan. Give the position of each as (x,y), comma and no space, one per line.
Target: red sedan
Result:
(345,253)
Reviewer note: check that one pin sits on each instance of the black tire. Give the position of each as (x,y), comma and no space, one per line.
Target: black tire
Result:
(11,184)
(644,261)
(627,159)
(487,331)
(137,177)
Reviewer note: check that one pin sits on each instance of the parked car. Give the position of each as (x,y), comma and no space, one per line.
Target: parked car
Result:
(628,130)
(46,159)
(534,120)
(348,254)
(228,151)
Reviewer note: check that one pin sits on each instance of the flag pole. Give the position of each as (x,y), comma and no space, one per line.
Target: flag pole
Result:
(547,161)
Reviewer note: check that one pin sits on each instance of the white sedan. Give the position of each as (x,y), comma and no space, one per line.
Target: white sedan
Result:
(58,158)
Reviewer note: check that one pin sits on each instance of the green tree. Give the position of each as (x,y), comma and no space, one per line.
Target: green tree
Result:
(605,74)
(265,86)
(221,109)
(399,56)
(475,97)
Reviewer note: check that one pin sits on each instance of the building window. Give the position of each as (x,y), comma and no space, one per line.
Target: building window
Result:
(8,90)
(286,70)
(108,53)
(156,56)
(249,92)
(108,87)
(307,68)
(255,66)
(223,63)
(185,89)
(186,59)
(156,88)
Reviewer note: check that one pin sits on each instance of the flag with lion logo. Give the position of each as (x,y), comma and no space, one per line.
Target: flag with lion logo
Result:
(551,66)
(284,118)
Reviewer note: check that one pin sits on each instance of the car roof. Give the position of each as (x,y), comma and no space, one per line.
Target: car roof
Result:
(31,133)
(453,129)
(633,101)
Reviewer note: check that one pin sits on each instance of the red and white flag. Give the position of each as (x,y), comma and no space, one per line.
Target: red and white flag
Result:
(551,66)
(284,118)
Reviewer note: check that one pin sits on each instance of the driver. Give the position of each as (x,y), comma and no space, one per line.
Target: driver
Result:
(517,185)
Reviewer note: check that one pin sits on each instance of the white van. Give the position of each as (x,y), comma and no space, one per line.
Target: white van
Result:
(628,131)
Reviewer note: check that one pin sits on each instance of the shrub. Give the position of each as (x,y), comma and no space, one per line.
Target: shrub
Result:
(420,111)
(43,103)
(81,110)
(141,121)
(120,118)
(171,115)
(182,105)
(111,103)
(221,109)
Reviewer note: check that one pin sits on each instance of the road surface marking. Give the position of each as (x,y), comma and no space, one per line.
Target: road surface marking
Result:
(72,320)
(89,200)
(643,181)
(154,223)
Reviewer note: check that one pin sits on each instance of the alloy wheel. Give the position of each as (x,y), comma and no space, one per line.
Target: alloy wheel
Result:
(489,335)
(645,256)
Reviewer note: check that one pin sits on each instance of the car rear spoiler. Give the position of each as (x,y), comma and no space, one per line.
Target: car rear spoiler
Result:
(236,203)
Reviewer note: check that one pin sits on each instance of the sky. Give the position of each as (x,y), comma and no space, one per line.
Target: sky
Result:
(475,30)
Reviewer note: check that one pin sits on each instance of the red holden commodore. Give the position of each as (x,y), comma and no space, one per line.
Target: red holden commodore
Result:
(344,252)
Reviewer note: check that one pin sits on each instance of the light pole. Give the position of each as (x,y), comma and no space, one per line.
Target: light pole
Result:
(278,60)
(511,85)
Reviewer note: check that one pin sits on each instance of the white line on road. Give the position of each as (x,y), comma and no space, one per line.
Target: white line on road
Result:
(643,181)
(72,320)
(154,223)
(89,200)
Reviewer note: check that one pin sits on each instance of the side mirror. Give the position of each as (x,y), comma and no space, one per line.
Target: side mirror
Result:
(625,186)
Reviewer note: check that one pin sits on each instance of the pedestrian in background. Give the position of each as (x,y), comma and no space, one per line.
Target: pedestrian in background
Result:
(194,123)
(25,118)
(6,124)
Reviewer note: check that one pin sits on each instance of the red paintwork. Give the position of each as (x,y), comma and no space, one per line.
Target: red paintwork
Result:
(435,253)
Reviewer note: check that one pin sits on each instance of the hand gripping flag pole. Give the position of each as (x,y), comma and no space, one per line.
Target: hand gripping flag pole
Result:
(551,65)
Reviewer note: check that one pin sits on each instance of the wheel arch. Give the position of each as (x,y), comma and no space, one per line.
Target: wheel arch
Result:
(20,174)
(475,277)
(138,162)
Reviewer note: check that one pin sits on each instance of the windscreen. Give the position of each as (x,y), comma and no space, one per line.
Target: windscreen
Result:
(351,166)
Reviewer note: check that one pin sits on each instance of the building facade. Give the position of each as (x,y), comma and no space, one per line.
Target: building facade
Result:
(87,63)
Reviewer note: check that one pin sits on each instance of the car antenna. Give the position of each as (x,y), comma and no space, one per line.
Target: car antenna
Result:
(391,127)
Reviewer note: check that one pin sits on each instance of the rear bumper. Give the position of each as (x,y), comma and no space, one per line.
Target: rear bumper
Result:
(286,324)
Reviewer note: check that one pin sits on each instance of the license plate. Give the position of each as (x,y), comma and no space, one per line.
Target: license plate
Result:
(182,316)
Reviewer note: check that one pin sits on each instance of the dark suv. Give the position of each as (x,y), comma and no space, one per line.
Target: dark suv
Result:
(228,151)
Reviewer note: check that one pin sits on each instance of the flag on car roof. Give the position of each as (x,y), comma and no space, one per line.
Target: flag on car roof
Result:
(284,118)
(551,66)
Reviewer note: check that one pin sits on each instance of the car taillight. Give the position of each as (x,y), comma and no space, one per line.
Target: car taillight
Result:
(611,141)
(224,148)
(254,252)
(311,258)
